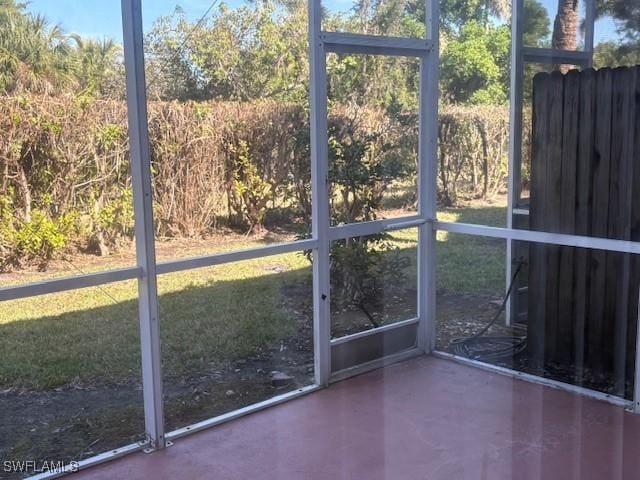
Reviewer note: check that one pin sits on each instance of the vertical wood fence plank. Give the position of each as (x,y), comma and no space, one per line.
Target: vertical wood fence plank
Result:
(634,230)
(570,123)
(537,264)
(618,268)
(552,212)
(599,212)
(583,213)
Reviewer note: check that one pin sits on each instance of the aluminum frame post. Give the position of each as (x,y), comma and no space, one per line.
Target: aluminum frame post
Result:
(516,97)
(427,181)
(320,196)
(144,229)
(589,29)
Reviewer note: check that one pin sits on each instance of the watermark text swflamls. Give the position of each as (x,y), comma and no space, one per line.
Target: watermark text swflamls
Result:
(39,466)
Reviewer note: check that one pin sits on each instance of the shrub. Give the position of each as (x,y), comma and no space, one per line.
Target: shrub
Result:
(262,155)
(36,240)
(213,162)
(360,269)
(472,152)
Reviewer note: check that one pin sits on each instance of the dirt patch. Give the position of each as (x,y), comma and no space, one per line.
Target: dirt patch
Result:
(399,303)
(463,315)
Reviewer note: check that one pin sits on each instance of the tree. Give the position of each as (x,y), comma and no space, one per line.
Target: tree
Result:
(616,54)
(242,53)
(627,14)
(475,65)
(33,53)
(454,14)
(536,27)
(627,50)
(96,66)
(398,18)
(565,26)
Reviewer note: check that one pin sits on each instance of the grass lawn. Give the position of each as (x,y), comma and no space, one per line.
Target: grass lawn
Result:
(91,334)
(207,315)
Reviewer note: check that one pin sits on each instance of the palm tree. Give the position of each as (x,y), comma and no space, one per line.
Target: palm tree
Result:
(565,26)
(33,53)
(94,63)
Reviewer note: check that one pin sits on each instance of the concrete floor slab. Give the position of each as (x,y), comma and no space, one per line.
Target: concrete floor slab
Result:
(426,418)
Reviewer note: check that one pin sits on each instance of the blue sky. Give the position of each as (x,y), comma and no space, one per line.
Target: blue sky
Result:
(103,17)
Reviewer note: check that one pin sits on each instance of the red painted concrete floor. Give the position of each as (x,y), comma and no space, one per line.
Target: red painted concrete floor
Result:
(422,419)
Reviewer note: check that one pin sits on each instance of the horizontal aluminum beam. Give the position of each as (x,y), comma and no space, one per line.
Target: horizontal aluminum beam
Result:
(533,236)
(92,461)
(110,276)
(547,382)
(402,225)
(373,331)
(335,233)
(226,417)
(340,232)
(375,364)
(69,283)
(338,42)
(551,56)
(235,256)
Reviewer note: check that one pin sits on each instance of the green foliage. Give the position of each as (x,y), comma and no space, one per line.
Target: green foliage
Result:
(41,236)
(361,268)
(33,53)
(365,158)
(536,25)
(7,229)
(399,18)
(242,53)
(455,14)
(616,54)
(475,64)
(110,135)
(40,57)
(249,193)
(97,70)
(259,50)
(373,80)
(626,12)
(37,239)
(115,220)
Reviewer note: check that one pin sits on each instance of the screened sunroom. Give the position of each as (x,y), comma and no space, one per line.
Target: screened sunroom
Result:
(320,239)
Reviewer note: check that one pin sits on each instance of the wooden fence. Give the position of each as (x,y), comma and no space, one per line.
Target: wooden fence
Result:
(585,180)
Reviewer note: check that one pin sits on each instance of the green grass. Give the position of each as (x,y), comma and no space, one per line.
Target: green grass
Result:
(208,316)
(468,263)
(222,312)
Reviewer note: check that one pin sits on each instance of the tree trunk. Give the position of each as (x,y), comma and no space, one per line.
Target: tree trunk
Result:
(25,190)
(565,26)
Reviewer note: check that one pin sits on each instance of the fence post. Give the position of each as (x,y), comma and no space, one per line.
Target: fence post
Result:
(144,231)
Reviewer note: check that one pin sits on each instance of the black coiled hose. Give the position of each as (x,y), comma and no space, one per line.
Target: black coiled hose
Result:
(492,348)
